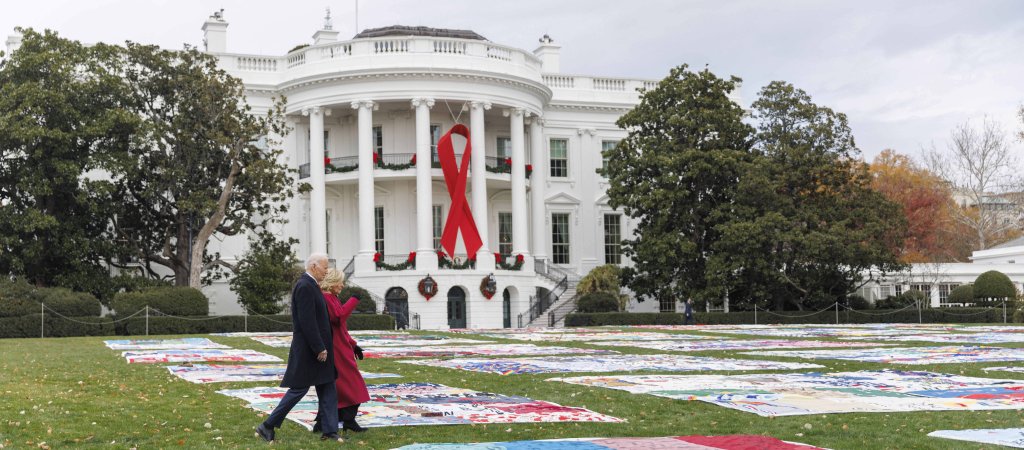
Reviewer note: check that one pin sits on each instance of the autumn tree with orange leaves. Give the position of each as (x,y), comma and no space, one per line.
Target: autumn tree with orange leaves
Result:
(934,234)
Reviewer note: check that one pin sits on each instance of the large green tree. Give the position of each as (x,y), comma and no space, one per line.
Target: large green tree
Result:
(676,174)
(264,275)
(203,163)
(805,225)
(62,120)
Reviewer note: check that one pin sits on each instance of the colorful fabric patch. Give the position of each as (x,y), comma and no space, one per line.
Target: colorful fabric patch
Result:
(1009,437)
(178,356)
(613,363)
(822,393)
(958,338)
(157,344)
(696,346)
(907,355)
(215,373)
(477,350)
(734,442)
(604,336)
(427,404)
(383,340)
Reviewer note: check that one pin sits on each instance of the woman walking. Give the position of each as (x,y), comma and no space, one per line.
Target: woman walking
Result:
(350,385)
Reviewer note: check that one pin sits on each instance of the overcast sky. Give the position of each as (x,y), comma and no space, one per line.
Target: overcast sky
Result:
(905,72)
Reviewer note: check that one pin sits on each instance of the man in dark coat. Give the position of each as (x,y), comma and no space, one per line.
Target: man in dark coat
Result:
(310,360)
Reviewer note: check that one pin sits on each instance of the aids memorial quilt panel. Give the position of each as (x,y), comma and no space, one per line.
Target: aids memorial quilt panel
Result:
(180,356)
(599,337)
(612,363)
(1014,369)
(823,332)
(477,350)
(388,340)
(696,346)
(253,333)
(216,373)
(427,404)
(822,393)
(957,338)
(1009,437)
(161,344)
(732,442)
(907,355)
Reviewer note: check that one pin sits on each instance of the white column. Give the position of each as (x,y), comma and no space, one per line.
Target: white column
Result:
(478,172)
(519,238)
(426,258)
(364,261)
(318,197)
(538,183)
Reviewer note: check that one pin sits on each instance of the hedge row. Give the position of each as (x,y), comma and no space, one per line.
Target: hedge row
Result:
(28,326)
(173,301)
(18,298)
(930,315)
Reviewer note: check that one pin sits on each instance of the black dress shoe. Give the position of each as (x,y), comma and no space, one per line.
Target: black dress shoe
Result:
(331,437)
(317,427)
(265,433)
(353,426)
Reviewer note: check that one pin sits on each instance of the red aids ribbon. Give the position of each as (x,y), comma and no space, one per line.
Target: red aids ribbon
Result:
(459,215)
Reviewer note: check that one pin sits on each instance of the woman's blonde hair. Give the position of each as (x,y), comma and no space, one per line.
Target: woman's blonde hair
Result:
(334,278)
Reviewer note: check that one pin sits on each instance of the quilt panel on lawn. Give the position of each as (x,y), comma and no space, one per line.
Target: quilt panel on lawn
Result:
(610,363)
(219,373)
(728,344)
(790,394)
(954,338)
(602,336)
(907,355)
(427,404)
(180,356)
(1009,437)
(732,442)
(477,350)
(162,344)
(384,340)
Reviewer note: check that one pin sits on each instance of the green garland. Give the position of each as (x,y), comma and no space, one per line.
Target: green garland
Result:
(400,266)
(518,265)
(500,169)
(332,169)
(396,166)
(444,263)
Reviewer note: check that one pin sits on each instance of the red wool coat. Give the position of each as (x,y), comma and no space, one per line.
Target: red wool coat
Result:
(350,384)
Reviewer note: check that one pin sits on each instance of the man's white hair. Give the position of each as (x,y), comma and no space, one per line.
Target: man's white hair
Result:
(314,258)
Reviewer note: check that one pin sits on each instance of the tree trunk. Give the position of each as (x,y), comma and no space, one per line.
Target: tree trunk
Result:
(215,220)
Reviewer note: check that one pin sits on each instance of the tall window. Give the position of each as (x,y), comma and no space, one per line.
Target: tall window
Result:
(328,231)
(378,141)
(606,146)
(612,239)
(559,158)
(504,148)
(435,137)
(944,290)
(378,229)
(560,238)
(309,143)
(925,288)
(667,305)
(505,234)
(438,220)
(898,289)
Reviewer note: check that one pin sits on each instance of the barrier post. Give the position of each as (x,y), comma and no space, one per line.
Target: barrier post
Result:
(755,314)
(919,307)
(246,326)
(837,313)
(42,319)
(1004,310)
(147,320)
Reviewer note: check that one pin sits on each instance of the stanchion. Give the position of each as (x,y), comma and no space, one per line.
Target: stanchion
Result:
(837,313)
(246,326)
(42,318)
(755,314)
(1004,311)
(919,311)
(147,320)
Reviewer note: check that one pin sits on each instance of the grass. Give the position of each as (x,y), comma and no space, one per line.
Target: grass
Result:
(70,392)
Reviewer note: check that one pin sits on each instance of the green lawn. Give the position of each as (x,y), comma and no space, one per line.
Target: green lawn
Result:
(75,392)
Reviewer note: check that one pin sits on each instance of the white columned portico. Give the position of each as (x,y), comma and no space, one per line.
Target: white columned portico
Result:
(519,238)
(426,258)
(538,183)
(364,260)
(318,196)
(478,172)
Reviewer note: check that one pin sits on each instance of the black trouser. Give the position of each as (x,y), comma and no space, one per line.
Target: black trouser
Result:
(348,413)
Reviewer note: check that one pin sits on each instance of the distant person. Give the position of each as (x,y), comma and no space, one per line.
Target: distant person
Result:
(688,312)
(310,359)
(350,385)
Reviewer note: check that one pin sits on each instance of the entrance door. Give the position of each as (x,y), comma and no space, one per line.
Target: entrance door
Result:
(456,308)
(397,303)
(506,309)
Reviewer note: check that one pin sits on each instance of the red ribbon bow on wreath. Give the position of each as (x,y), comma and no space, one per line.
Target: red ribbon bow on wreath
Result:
(459,215)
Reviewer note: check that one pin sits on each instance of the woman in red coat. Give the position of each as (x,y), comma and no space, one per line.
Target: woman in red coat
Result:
(351,387)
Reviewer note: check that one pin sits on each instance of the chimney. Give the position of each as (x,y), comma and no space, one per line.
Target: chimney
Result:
(327,33)
(13,43)
(215,33)
(549,54)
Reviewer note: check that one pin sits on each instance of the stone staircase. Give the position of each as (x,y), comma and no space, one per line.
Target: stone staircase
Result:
(551,310)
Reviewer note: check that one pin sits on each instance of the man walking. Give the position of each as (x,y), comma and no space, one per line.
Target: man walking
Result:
(310,360)
(688,312)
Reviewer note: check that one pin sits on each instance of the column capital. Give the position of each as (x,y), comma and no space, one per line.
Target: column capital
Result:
(589,131)
(513,112)
(480,104)
(535,120)
(311,110)
(418,101)
(368,104)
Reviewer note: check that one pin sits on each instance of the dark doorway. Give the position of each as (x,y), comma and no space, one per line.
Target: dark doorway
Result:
(396,301)
(456,308)
(506,309)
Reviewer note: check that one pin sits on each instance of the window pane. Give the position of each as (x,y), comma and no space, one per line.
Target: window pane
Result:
(504,147)
(505,234)
(560,238)
(378,243)
(666,305)
(605,147)
(559,148)
(378,140)
(438,219)
(435,136)
(612,239)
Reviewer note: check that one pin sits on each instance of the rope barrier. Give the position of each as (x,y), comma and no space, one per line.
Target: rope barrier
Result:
(54,312)
(878,314)
(800,316)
